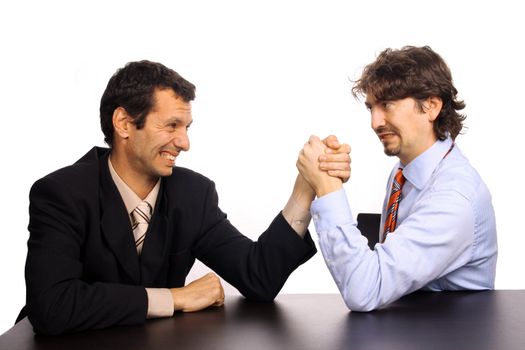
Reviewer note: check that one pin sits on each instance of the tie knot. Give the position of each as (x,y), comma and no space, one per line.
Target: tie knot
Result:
(142,213)
(400,178)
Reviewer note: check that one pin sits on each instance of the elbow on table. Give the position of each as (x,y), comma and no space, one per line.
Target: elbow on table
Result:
(45,323)
(359,308)
(47,314)
(260,297)
(359,304)
(260,294)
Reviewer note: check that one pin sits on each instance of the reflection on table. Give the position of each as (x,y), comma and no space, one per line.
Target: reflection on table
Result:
(447,320)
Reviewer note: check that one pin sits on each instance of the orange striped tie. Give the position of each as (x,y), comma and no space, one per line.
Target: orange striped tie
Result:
(393,204)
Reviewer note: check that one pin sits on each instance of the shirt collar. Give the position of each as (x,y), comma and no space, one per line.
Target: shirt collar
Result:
(130,198)
(419,171)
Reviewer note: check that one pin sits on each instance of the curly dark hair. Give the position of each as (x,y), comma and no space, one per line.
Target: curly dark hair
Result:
(133,87)
(416,72)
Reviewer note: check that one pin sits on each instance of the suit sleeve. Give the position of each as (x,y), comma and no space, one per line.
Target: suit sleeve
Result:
(257,269)
(58,299)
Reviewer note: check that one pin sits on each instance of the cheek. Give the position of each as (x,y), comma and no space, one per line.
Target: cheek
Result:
(159,141)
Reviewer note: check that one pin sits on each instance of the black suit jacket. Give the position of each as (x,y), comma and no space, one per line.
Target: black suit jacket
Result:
(82,268)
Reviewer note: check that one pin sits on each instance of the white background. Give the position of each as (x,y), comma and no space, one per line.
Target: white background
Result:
(268,74)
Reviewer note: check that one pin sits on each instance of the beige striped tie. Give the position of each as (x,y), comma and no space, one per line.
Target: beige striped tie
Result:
(140,218)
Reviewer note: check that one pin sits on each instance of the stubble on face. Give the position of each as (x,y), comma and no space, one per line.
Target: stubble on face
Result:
(390,139)
(164,135)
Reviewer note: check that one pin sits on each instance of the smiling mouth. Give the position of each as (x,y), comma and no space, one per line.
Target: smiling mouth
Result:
(168,156)
(385,135)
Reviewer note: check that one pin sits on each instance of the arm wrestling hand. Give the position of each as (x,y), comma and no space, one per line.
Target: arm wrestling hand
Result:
(308,166)
(199,294)
(336,159)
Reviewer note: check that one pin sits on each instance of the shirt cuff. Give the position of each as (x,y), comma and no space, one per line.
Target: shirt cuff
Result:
(296,216)
(160,303)
(331,210)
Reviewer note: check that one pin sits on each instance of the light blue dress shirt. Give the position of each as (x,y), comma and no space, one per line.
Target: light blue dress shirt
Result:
(445,237)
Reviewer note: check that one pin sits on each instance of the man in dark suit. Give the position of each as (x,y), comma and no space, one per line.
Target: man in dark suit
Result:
(90,266)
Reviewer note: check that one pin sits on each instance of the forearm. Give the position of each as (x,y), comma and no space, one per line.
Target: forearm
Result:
(414,255)
(74,306)
(346,252)
(257,269)
(297,210)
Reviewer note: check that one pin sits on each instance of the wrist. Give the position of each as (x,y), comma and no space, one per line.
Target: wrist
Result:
(175,295)
(303,194)
(325,187)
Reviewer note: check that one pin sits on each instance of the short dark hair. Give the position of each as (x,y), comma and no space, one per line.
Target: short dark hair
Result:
(416,72)
(133,87)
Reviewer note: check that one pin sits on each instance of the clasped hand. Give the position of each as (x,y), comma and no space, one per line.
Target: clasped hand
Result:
(324,164)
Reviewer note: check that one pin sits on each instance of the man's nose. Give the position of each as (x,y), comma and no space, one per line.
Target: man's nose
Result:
(182,141)
(377,118)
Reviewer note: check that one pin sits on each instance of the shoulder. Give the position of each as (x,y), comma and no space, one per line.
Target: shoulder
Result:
(187,181)
(82,176)
(456,173)
(184,175)
(191,193)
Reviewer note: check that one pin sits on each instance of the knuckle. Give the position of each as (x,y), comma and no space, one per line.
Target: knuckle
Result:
(217,290)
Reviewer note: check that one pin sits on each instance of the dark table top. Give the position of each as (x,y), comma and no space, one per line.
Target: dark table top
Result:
(447,320)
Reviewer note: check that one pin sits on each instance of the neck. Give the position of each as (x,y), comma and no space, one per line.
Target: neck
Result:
(139,183)
(410,156)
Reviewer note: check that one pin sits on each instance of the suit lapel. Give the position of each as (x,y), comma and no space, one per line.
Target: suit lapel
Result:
(115,224)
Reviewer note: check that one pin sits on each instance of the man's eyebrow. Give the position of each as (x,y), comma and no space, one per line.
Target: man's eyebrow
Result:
(178,120)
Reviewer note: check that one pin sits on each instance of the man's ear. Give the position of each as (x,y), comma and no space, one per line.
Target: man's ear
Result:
(121,122)
(433,107)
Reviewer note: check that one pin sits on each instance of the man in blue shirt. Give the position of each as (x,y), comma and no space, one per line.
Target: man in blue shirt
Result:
(442,235)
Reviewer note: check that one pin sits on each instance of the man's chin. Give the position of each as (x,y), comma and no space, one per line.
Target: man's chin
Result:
(166,171)
(392,152)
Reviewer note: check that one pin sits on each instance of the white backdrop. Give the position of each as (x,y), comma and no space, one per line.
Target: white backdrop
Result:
(268,74)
